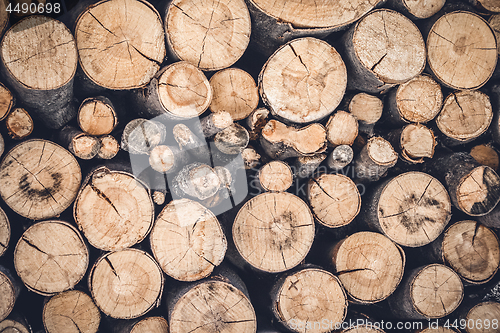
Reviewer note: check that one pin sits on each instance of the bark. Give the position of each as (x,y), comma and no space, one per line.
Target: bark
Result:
(215,122)
(414,142)
(375,158)
(256,121)
(191,144)
(4,232)
(7,100)
(78,143)
(232,140)
(197,181)
(340,157)
(305,166)
(10,287)
(140,136)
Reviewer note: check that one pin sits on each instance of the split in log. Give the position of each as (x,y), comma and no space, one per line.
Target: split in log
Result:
(428,292)
(10,287)
(146,325)
(191,144)
(141,135)
(47,194)
(304,81)
(133,41)
(97,116)
(275,176)
(7,100)
(307,296)
(209,35)
(4,232)
(412,209)
(187,240)
(334,199)
(215,122)
(369,265)
(376,157)
(342,129)
(484,316)
(383,49)
(462,50)
(305,166)
(367,109)
(19,124)
(108,147)
(490,6)
(196,180)
(113,209)
(256,121)
(126,284)
(51,257)
(485,155)
(234,91)
(78,143)
(232,139)
(167,159)
(273,232)
(40,42)
(340,157)
(417,9)
(414,142)
(72,311)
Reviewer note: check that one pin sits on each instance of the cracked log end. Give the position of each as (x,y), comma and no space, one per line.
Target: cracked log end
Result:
(273,232)
(133,39)
(19,124)
(10,288)
(462,50)
(97,116)
(478,192)
(108,147)
(275,176)
(416,142)
(6,101)
(4,232)
(187,240)
(342,129)
(126,284)
(483,312)
(51,257)
(72,311)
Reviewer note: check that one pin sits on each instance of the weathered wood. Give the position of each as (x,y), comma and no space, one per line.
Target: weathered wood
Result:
(340,157)
(251,158)
(97,116)
(342,129)
(367,109)
(15,324)
(7,100)
(51,257)
(221,199)
(303,81)
(108,147)
(4,232)
(482,317)
(363,329)
(126,284)
(485,155)
(141,135)
(47,194)
(305,166)
(375,158)
(256,121)
(167,159)
(215,122)
(488,6)
(78,143)
(275,176)
(232,140)
(191,144)
(10,287)
(494,22)
(417,9)
(19,124)
(196,180)
(414,142)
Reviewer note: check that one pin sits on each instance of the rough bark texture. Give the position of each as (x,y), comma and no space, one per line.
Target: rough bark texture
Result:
(232,140)
(376,157)
(78,143)
(305,166)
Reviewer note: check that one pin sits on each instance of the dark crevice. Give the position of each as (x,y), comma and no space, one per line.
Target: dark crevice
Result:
(103,196)
(34,246)
(112,267)
(378,62)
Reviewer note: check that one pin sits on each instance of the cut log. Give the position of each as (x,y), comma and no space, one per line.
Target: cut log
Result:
(251,158)
(494,23)
(191,144)
(414,142)
(281,142)
(256,121)
(178,91)
(51,257)
(383,49)
(146,325)
(209,35)
(369,265)
(215,122)
(304,81)
(167,159)
(2,145)
(273,232)
(39,60)
(72,311)
(482,317)
(78,143)
(15,325)
(462,50)
(340,157)
(490,6)
(126,284)
(275,176)
(133,41)
(234,91)
(232,140)
(187,240)
(10,287)
(307,296)
(412,209)
(47,194)
(226,190)
(197,181)
(113,209)
(306,166)
(97,116)
(4,15)
(4,232)
(367,109)
(375,158)
(428,292)
(7,100)
(465,116)
(140,136)
(418,100)
(485,155)
(334,199)
(108,147)
(417,9)
(342,129)
(19,124)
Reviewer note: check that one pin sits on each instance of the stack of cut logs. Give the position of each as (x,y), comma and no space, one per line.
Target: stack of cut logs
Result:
(243,166)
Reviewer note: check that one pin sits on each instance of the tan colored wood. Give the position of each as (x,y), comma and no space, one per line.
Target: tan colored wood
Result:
(158,197)
(209,35)
(126,284)
(10,289)
(366,108)
(251,158)
(2,145)
(303,81)
(465,115)
(6,98)
(483,315)
(462,50)
(273,232)
(215,122)
(342,129)
(39,179)
(256,121)
(85,146)
(14,326)
(72,311)
(187,240)
(113,209)
(416,142)
(334,199)
(51,257)
(4,232)
(122,51)
(486,155)
(375,158)
(275,176)
(19,124)
(494,22)
(97,116)
(422,9)
(151,325)
(235,92)
(307,296)
(439,329)
(476,188)
(196,180)
(4,15)
(108,147)
(162,158)
(490,6)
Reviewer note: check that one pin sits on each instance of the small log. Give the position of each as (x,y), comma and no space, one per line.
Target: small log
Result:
(334,199)
(428,292)
(187,240)
(113,209)
(412,209)
(10,287)
(218,36)
(414,142)
(4,232)
(196,180)
(72,311)
(367,109)
(281,142)
(256,121)
(342,129)
(251,158)
(305,166)
(78,143)
(461,50)
(191,144)
(275,176)
(435,328)
(417,10)
(51,191)
(375,158)
(234,91)
(134,40)
(158,197)
(482,317)
(418,100)
(494,22)
(41,67)
(140,136)
(340,157)
(232,140)
(108,147)
(383,49)
(7,100)
(51,257)
(15,324)
(465,116)
(273,232)
(97,116)
(221,199)
(146,325)
(304,81)
(126,284)
(215,122)
(167,159)
(309,295)
(488,6)
(178,91)
(19,124)
(485,155)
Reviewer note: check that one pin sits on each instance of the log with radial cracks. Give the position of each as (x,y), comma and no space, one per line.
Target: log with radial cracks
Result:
(10,287)
(97,116)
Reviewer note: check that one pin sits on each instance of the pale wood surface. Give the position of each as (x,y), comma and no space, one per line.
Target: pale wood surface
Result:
(342,129)
(275,176)
(417,141)
(6,101)
(151,325)
(97,116)
(19,124)
(420,99)
(486,155)
(4,232)
(366,108)
(483,313)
